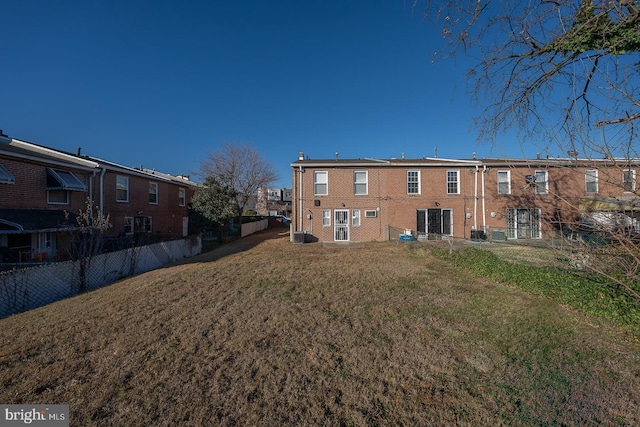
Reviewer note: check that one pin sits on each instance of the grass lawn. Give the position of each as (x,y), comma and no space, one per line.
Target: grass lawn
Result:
(264,332)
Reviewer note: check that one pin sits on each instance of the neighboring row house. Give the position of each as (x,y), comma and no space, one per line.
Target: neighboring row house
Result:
(274,201)
(43,190)
(365,199)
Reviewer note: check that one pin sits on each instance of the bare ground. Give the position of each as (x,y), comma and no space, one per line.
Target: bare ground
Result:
(264,332)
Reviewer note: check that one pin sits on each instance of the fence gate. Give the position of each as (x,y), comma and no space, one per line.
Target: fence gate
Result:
(341,225)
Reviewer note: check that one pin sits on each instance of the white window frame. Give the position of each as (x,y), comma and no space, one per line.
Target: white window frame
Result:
(629,180)
(542,187)
(359,183)
(502,182)
(451,182)
(320,178)
(413,179)
(148,224)
(182,198)
(326,218)
(153,185)
(60,193)
(355,217)
(122,184)
(370,213)
(128,227)
(591,177)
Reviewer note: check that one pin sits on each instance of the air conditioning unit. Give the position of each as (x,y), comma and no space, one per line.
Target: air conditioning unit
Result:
(370,214)
(298,237)
(498,235)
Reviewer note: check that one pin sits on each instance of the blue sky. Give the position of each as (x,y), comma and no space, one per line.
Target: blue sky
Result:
(163,83)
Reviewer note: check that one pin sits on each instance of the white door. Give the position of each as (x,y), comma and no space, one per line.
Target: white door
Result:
(185,226)
(341,225)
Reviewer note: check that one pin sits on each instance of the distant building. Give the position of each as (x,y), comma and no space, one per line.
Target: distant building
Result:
(274,201)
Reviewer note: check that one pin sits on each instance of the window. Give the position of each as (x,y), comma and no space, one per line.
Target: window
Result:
(153,193)
(541,182)
(523,223)
(6,177)
(370,214)
(355,217)
(58,197)
(128,225)
(629,180)
(413,182)
(122,188)
(591,181)
(148,224)
(320,183)
(504,182)
(360,182)
(326,218)
(453,186)
(181,197)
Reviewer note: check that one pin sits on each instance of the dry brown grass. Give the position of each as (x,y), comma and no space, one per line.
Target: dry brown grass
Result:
(264,332)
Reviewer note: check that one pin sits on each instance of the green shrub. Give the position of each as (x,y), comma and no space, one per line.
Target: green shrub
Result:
(589,294)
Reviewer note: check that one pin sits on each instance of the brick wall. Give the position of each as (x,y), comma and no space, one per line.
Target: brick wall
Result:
(472,209)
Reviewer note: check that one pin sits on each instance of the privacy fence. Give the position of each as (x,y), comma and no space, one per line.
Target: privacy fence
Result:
(26,289)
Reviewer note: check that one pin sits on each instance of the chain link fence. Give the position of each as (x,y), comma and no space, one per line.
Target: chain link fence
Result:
(23,289)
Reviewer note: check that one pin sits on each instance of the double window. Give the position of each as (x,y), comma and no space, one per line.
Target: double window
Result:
(629,180)
(591,181)
(542,182)
(326,218)
(153,193)
(413,182)
(453,182)
(320,183)
(122,188)
(355,217)
(360,183)
(504,182)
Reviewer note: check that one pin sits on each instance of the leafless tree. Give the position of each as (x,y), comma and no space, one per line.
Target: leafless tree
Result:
(566,75)
(240,167)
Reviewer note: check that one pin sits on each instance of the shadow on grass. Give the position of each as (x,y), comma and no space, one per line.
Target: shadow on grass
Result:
(235,246)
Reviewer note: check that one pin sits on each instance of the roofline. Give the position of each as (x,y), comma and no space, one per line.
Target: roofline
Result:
(439,162)
(64,159)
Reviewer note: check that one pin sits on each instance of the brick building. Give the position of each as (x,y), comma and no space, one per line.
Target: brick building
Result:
(365,199)
(42,190)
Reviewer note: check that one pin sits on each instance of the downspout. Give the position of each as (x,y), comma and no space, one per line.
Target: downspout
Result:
(101,190)
(300,207)
(475,202)
(484,211)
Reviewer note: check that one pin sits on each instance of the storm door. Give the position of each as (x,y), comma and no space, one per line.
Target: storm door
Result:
(341,225)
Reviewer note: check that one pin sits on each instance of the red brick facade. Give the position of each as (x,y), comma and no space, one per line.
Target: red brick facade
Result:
(442,197)
(42,184)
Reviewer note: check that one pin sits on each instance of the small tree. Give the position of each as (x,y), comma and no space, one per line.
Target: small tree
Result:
(241,168)
(88,238)
(215,202)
